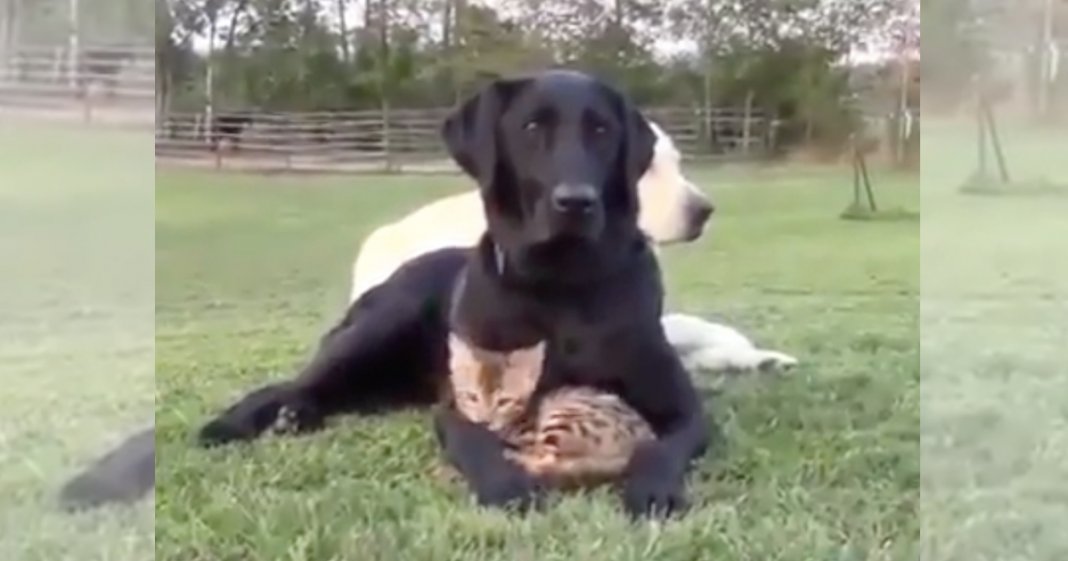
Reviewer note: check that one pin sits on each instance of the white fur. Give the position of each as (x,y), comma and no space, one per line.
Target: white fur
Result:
(703,345)
(666,197)
(665,194)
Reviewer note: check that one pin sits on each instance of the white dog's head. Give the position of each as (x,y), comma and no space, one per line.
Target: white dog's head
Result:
(672,208)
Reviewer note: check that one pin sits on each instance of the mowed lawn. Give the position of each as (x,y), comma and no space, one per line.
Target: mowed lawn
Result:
(821,465)
(995,299)
(76,320)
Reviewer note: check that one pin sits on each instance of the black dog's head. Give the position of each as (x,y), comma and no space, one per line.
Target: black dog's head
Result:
(557,155)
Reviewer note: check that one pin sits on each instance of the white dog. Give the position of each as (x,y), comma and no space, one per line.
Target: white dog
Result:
(672,210)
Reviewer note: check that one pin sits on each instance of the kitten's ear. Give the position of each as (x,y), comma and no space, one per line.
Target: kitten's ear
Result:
(461,355)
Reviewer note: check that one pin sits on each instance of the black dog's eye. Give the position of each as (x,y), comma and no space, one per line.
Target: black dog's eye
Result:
(600,130)
(531,126)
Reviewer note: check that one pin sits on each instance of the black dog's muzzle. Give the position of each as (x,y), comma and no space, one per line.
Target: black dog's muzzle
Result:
(576,209)
(574,200)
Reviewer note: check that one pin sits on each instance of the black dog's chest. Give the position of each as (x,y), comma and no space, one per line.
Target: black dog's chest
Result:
(582,352)
(589,332)
(579,341)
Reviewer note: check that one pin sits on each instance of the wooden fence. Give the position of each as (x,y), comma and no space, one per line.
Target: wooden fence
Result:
(408,140)
(90,84)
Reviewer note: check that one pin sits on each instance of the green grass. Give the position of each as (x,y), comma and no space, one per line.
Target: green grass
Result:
(823,465)
(76,325)
(995,293)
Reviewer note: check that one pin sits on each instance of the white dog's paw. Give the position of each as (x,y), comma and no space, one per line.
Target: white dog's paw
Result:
(739,360)
(774,361)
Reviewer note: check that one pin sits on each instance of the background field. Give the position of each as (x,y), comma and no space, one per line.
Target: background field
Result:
(76,305)
(994,302)
(823,465)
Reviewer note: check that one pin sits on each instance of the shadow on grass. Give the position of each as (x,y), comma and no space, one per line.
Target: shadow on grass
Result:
(863,213)
(1041,186)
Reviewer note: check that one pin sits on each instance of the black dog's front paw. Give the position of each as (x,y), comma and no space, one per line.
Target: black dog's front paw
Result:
(508,486)
(223,431)
(653,488)
(648,497)
(272,407)
(296,418)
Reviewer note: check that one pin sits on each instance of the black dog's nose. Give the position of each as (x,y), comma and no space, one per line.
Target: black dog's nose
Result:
(576,199)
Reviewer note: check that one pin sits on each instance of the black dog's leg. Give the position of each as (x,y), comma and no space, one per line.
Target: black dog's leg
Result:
(250,416)
(478,454)
(655,476)
(385,354)
(124,474)
(388,351)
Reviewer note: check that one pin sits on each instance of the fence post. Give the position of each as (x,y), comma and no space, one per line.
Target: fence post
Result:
(747,120)
(213,143)
(387,148)
(87,106)
(291,146)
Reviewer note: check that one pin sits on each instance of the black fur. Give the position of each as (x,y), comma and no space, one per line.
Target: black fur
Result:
(584,280)
(581,277)
(125,474)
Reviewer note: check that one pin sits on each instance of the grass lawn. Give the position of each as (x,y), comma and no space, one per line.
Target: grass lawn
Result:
(823,465)
(995,298)
(76,319)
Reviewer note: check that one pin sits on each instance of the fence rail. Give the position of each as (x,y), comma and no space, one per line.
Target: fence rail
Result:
(404,140)
(90,83)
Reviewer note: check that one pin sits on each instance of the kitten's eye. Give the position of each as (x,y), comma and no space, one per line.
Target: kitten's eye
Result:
(600,130)
(531,126)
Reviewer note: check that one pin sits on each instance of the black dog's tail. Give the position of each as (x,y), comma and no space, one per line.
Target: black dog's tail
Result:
(123,475)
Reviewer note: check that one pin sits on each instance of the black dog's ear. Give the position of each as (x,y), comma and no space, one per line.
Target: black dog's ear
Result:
(639,141)
(639,144)
(470,131)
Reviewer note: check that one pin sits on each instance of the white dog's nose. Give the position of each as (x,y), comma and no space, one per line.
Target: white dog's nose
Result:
(703,211)
(701,207)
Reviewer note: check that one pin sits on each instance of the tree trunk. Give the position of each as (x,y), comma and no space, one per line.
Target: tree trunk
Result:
(163,98)
(446,26)
(230,33)
(1044,76)
(448,74)
(384,88)
(620,56)
(16,24)
(7,25)
(343,31)
(209,76)
(72,69)
(706,103)
(459,8)
(903,110)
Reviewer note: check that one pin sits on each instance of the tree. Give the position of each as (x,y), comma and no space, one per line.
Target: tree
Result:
(176,62)
(485,44)
(310,54)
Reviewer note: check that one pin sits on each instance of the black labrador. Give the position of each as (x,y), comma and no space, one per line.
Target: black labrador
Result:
(557,157)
